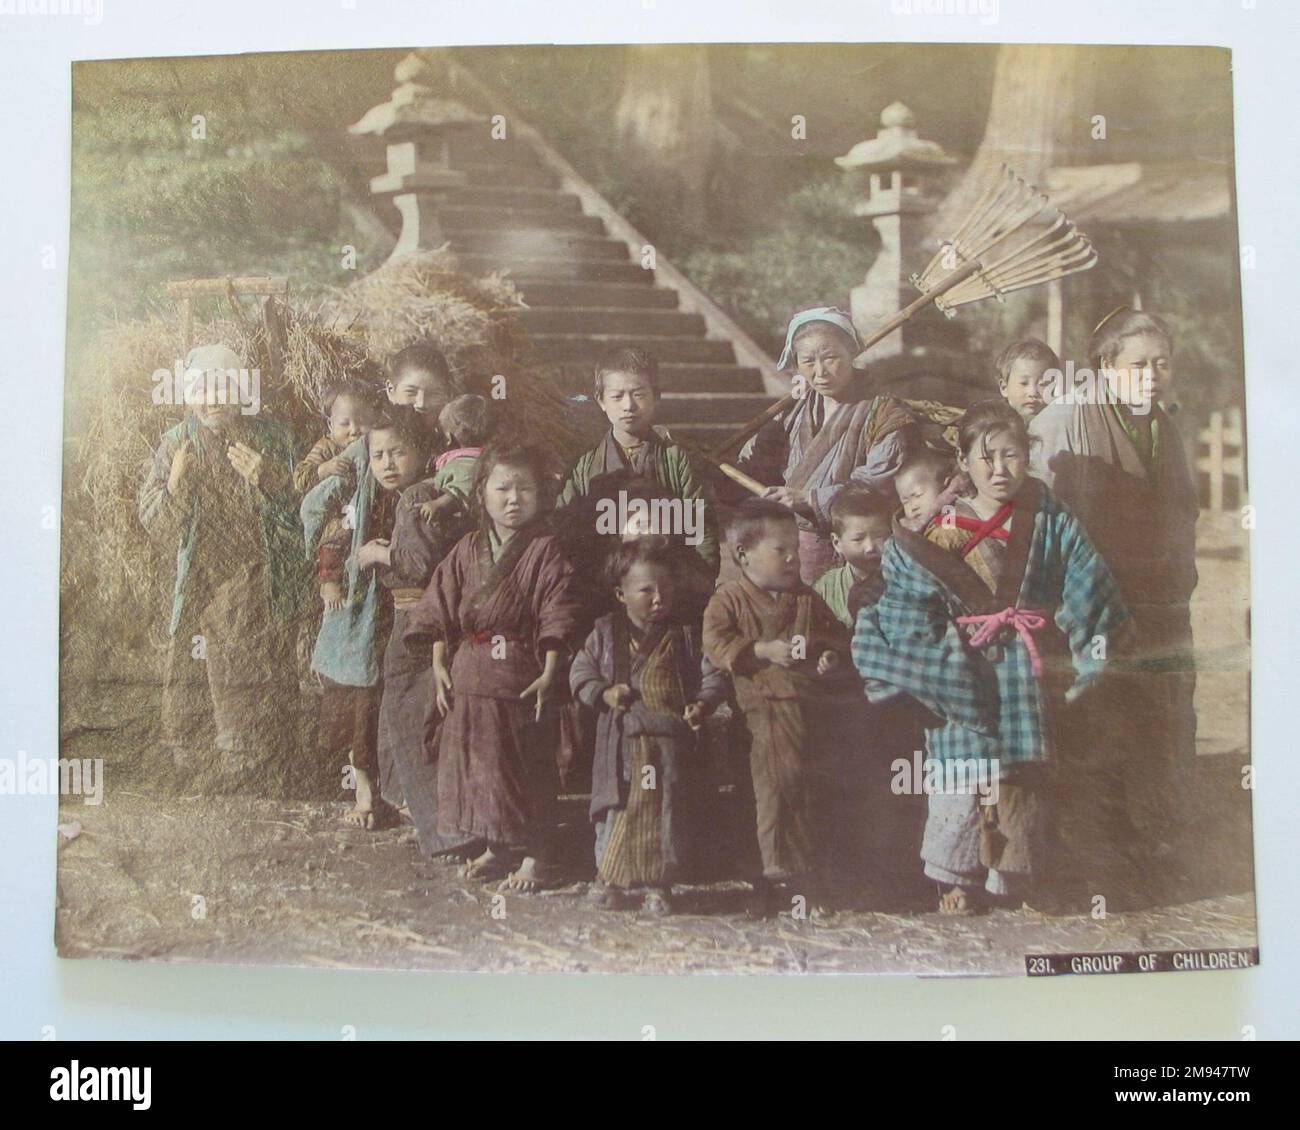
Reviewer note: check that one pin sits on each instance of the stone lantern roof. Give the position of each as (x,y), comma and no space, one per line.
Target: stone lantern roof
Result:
(895,146)
(414,108)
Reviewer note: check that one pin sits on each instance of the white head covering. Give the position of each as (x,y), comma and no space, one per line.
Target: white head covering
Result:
(832,315)
(205,358)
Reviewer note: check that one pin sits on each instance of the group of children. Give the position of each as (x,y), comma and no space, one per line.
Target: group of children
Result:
(889,593)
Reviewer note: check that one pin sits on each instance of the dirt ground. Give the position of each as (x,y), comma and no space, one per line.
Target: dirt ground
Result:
(152,875)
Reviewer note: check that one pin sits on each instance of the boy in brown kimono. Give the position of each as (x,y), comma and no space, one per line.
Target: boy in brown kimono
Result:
(788,656)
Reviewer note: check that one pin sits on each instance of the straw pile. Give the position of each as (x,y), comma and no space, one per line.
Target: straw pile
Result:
(116,581)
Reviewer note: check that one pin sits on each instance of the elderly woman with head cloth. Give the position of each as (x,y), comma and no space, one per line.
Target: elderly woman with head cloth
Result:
(839,430)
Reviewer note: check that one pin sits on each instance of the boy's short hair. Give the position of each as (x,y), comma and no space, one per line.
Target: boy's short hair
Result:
(937,463)
(639,362)
(466,416)
(746,523)
(405,422)
(650,550)
(859,501)
(422,356)
(1026,349)
(359,391)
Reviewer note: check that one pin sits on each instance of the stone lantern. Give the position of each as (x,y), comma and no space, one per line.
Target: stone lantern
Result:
(418,127)
(901,167)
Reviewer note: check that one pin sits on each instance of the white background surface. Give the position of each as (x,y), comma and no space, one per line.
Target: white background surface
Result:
(107,999)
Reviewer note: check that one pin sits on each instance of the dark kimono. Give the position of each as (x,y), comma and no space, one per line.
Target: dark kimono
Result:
(1126,478)
(407,720)
(644,829)
(863,442)
(496,763)
(794,718)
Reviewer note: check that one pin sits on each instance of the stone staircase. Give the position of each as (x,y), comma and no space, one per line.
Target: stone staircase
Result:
(525,211)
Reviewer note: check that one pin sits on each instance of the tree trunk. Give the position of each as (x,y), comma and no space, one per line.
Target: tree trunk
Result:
(664,126)
(1039,116)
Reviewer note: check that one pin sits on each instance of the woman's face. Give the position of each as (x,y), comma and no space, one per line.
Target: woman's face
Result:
(422,390)
(824,359)
(1142,368)
(998,466)
(511,496)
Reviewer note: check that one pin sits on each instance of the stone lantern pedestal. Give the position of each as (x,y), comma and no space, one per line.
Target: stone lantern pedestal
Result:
(900,166)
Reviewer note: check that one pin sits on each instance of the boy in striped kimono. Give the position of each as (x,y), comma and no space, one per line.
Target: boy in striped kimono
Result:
(992,622)
(643,672)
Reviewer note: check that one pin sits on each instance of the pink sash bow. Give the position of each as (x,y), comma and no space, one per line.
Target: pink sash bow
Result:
(1025,621)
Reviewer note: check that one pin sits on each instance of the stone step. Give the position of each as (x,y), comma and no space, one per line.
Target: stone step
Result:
(478,146)
(727,410)
(585,348)
(610,296)
(457,218)
(522,176)
(574,378)
(513,196)
(524,270)
(597,320)
(705,436)
(534,244)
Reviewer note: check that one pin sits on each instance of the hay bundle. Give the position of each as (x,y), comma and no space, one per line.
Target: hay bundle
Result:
(110,564)
(422,297)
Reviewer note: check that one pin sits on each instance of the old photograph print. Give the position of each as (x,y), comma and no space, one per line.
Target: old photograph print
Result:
(633,509)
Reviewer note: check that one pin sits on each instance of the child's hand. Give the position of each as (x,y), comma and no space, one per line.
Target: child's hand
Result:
(780,652)
(695,714)
(618,697)
(331,595)
(827,662)
(336,466)
(442,689)
(541,687)
(374,552)
(182,460)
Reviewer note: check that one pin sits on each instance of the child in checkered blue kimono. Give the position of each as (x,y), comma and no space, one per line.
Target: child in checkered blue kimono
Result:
(994,618)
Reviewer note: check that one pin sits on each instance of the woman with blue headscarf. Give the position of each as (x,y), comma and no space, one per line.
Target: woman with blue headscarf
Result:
(837,431)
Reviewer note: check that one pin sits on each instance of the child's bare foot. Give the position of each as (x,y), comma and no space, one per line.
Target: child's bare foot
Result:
(606,897)
(453,857)
(658,902)
(529,878)
(375,818)
(489,865)
(958,901)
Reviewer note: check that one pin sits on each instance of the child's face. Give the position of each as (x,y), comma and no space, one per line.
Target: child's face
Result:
(918,490)
(349,420)
(511,496)
(1027,387)
(647,591)
(1142,368)
(628,402)
(421,390)
(997,467)
(771,561)
(825,361)
(394,462)
(861,539)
